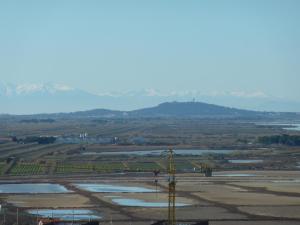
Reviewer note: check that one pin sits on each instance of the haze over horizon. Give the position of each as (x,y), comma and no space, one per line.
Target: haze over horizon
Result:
(234,53)
(54,98)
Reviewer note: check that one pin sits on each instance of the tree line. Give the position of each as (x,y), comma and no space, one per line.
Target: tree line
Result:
(284,139)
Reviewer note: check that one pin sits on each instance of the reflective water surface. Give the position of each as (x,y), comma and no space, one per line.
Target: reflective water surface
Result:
(66,214)
(245,161)
(235,175)
(159,152)
(141,203)
(286,126)
(112,188)
(32,188)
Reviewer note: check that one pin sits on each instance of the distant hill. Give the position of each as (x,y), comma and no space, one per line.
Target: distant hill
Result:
(204,110)
(192,109)
(97,113)
(175,110)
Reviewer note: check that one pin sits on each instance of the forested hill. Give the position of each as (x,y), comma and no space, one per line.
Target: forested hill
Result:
(192,109)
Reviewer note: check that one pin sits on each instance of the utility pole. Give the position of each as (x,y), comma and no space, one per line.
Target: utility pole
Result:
(156,172)
(37,217)
(73,216)
(172,184)
(3,216)
(17,216)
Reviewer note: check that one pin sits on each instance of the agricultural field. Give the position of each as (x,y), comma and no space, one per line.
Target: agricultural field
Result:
(73,168)
(2,165)
(217,199)
(49,200)
(144,166)
(261,190)
(157,133)
(184,165)
(239,196)
(167,132)
(22,169)
(110,167)
(277,186)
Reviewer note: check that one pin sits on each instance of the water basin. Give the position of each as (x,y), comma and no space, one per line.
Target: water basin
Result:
(141,203)
(106,188)
(235,175)
(159,152)
(291,126)
(245,161)
(286,181)
(285,126)
(66,214)
(32,188)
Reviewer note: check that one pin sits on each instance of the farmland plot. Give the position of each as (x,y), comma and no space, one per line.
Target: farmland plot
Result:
(28,169)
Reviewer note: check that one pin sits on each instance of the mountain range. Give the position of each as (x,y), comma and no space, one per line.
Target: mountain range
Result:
(55,98)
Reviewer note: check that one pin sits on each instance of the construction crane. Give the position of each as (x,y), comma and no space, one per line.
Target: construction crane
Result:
(172,190)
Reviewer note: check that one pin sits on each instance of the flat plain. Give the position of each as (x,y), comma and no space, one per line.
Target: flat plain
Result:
(259,192)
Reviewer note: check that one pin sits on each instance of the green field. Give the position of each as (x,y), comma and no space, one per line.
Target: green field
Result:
(144,166)
(73,168)
(182,165)
(89,167)
(109,167)
(27,169)
(103,167)
(2,165)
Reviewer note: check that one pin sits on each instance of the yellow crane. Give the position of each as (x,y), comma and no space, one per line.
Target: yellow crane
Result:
(172,191)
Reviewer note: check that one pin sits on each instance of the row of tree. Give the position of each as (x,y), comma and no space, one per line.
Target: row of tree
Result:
(37,121)
(35,139)
(285,139)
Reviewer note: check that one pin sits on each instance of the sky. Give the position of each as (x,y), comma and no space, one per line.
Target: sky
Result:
(104,46)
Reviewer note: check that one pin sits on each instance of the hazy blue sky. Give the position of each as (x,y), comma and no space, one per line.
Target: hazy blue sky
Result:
(104,46)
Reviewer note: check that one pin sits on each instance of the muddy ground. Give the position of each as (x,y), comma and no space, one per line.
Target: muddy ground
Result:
(266,197)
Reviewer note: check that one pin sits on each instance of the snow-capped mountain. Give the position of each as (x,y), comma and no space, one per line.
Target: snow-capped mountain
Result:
(52,98)
(43,98)
(8,89)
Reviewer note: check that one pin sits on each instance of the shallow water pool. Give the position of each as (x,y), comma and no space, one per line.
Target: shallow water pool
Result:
(159,152)
(245,161)
(141,203)
(235,175)
(113,188)
(66,214)
(32,188)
